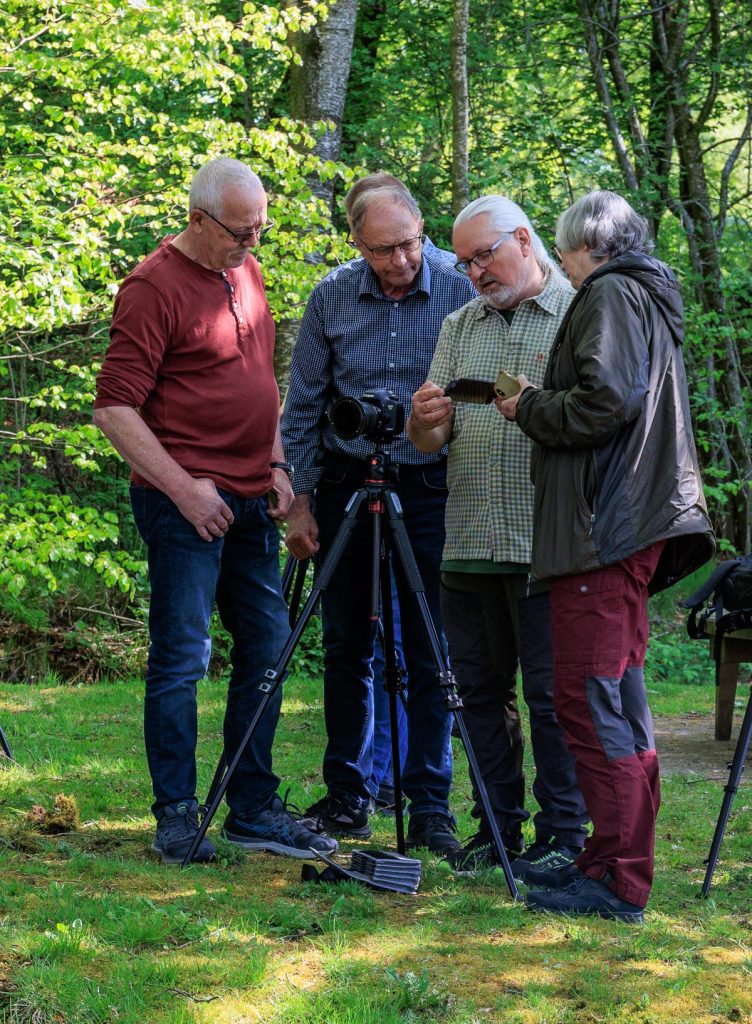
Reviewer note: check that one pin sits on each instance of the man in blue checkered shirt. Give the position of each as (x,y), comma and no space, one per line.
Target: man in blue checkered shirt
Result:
(373,323)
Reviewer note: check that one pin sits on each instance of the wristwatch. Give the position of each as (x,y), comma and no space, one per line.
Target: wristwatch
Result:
(284,466)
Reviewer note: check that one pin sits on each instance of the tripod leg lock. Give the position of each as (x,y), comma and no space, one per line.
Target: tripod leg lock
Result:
(270,677)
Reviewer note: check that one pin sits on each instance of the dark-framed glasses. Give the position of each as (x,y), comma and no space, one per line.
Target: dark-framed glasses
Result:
(384,252)
(483,259)
(241,237)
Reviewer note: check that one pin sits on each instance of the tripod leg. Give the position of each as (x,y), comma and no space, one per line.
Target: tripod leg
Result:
(735,773)
(5,747)
(446,680)
(274,676)
(392,678)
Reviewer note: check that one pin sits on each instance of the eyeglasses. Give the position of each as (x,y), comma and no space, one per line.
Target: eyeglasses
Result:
(241,237)
(483,259)
(384,252)
(557,252)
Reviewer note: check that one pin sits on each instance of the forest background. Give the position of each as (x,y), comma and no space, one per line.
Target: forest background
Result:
(108,108)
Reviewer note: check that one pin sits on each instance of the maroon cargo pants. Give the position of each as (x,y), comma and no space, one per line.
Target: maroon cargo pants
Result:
(600,633)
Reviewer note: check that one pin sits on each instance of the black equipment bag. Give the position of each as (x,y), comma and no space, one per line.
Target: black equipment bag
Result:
(727,595)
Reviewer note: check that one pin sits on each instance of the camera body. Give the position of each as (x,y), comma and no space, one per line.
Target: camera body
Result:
(377,416)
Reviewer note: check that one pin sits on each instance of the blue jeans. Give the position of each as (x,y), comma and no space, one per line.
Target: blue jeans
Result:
(349,638)
(187,574)
(381,768)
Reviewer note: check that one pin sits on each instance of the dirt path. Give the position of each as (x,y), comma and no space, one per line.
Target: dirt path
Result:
(686,746)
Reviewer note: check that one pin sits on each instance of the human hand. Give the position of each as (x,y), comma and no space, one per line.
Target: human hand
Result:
(508,406)
(302,536)
(430,406)
(281,495)
(202,506)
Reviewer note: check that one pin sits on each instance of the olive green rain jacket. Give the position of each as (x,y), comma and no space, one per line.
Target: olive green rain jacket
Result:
(615,466)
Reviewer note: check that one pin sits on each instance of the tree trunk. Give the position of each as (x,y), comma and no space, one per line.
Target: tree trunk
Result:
(460,191)
(318,85)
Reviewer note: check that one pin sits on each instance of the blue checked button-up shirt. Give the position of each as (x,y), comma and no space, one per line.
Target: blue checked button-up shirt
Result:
(353,339)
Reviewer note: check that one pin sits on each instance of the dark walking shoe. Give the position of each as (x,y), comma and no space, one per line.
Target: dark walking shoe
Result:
(176,830)
(384,803)
(552,878)
(336,815)
(276,831)
(435,831)
(585,896)
(480,853)
(547,855)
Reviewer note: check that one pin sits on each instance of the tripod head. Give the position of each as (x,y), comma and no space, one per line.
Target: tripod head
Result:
(381,472)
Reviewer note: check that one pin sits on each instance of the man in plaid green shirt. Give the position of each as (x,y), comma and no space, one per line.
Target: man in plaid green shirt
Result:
(489,621)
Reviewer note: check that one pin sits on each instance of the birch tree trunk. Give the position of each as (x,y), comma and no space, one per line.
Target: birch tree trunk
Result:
(460,116)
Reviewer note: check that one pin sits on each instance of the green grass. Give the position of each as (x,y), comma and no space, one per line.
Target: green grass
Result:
(93,929)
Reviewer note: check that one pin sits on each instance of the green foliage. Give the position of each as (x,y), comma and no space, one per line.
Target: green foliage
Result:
(106,110)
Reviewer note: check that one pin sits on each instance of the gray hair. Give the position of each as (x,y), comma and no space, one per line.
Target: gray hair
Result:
(506,216)
(605,223)
(211,180)
(381,179)
(393,193)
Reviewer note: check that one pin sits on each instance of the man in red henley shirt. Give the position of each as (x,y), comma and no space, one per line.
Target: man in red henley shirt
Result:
(188,397)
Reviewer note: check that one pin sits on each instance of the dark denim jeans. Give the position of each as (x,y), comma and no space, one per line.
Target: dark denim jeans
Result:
(187,574)
(381,768)
(490,625)
(349,638)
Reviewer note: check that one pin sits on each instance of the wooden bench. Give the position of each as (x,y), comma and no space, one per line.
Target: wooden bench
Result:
(736,648)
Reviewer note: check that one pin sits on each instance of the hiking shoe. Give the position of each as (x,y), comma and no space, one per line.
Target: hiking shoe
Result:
(480,853)
(176,830)
(546,855)
(585,896)
(552,878)
(276,831)
(435,831)
(336,815)
(383,802)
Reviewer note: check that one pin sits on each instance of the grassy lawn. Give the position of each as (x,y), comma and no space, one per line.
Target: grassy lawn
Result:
(94,929)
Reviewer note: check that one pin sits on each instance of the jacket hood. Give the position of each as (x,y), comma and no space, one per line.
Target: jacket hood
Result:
(659,282)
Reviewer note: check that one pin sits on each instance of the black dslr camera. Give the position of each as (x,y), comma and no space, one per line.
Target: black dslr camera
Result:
(376,416)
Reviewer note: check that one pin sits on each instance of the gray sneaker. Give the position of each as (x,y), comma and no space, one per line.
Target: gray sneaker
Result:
(276,831)
(176,830)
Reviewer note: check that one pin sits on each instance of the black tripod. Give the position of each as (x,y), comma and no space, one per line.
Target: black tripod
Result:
(730,789)
(378,492)
(4,746)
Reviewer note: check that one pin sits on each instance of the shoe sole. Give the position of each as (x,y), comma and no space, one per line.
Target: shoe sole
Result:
(610,915)
(168,858)
(269,846)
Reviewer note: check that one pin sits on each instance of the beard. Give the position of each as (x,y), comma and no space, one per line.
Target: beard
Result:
(503,296)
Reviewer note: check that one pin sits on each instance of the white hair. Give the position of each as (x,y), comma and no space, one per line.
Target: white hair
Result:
(211,180)
(506,216)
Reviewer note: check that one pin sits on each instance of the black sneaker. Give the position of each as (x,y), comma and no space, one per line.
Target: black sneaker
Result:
(176,830)
(585,896)
(552,878)
(543,856)
(480,853)
(276,831)
(335,815)
(384,801)
(435,831)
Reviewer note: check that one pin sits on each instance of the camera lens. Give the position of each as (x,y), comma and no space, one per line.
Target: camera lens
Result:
(351,418)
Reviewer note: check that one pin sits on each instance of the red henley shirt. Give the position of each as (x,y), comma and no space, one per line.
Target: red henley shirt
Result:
(192,350)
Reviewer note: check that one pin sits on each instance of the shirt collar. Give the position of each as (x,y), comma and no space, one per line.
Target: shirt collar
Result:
(369,282)
(548,299)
